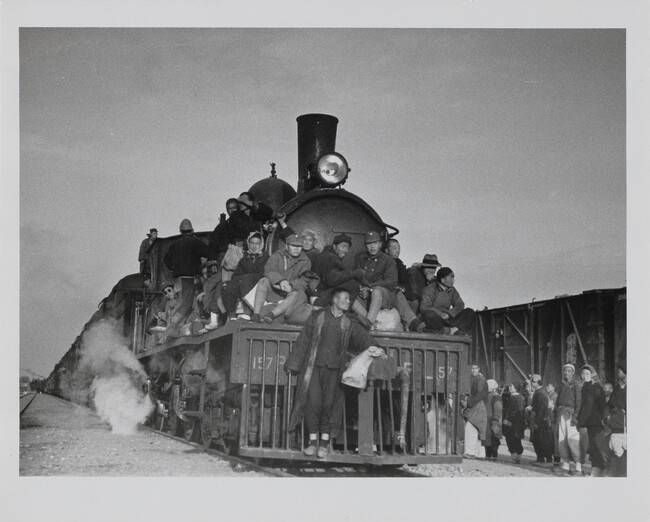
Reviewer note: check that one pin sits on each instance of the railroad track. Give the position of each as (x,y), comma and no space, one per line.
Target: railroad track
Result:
(25,401)
(302,469)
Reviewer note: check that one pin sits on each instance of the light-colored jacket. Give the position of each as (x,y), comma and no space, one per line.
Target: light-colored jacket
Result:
(282,266)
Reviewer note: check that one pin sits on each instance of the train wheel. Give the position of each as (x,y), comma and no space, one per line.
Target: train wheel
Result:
(174,423)
(189,428)
(205,427)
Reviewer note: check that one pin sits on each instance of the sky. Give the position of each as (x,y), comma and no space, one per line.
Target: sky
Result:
(501,151)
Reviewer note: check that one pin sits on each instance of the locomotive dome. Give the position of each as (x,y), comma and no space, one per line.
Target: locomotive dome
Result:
(273,191)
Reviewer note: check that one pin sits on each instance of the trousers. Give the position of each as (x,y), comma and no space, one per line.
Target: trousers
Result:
(568,439)
(320,399)
(473,445)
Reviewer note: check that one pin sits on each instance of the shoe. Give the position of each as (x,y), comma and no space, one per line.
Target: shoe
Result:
(268,318)
(453,330)
(469,457)
(203,331)
(157,329)
(255,318)
(416,325)
(310,450)
(213,324)
(322,452)
(446,330)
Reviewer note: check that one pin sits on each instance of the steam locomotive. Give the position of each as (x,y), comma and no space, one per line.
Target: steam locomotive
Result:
(226,387)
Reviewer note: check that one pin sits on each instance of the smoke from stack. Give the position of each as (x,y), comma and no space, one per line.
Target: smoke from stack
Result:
(110,377)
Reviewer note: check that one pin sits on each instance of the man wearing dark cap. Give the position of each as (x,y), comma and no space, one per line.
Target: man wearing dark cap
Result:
(143,258)
(379,282)
(567,406)
(184,259)
(419,276)
(443,309)
(333,273)
(284,280)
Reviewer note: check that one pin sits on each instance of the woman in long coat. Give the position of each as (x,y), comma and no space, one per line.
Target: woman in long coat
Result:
(514,423)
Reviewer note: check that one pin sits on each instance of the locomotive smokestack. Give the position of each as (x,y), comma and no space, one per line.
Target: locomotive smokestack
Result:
(316,136)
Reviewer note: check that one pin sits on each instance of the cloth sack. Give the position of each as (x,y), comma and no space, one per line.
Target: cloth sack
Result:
(389,321)
(356,373)
(232,257)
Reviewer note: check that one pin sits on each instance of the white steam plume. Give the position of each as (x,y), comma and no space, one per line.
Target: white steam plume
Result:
(116,378)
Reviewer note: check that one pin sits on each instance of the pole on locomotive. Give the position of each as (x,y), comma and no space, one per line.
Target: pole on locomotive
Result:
(316,136)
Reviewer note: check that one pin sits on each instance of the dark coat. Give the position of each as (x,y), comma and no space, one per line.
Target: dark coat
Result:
(616,419)
(379,270)
(184,256)
(332,271)
(236,228)
(513,417)
(302,359)
(417,282)
(478,390)
(592,405)
(540,407)
(402,274)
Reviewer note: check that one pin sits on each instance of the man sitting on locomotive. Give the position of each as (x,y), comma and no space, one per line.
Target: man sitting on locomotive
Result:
(443,309)
(257,212)
(227,231)
(378,284)
(249,271)
(283,282)
(318,358)
(419,276)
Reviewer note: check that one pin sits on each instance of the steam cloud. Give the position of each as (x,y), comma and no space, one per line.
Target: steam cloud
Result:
(113,378)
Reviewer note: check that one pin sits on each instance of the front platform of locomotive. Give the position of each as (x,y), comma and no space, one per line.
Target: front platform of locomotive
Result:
(229,388)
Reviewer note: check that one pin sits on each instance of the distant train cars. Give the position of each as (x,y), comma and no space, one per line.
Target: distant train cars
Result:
(540,337)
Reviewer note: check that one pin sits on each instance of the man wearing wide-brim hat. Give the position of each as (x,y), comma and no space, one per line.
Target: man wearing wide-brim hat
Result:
(420,275)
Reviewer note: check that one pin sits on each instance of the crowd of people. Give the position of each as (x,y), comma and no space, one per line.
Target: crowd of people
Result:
(233,277)
(566,423)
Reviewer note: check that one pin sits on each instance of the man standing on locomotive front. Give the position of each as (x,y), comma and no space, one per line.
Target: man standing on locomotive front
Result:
(318,358)
(184,259)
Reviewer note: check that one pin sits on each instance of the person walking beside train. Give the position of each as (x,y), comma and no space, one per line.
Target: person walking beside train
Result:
(591,415)
(318,358)
(540,430)
(513,422)
(379,282)
(475,415)
(184,259)
(616,421)
(494,407)
(443,309)
(552,421)
(567,408)
(284,281)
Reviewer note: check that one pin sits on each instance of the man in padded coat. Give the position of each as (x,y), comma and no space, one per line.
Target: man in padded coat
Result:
(319,359)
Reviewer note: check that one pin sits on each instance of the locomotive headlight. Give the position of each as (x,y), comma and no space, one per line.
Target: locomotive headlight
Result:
(332,169)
